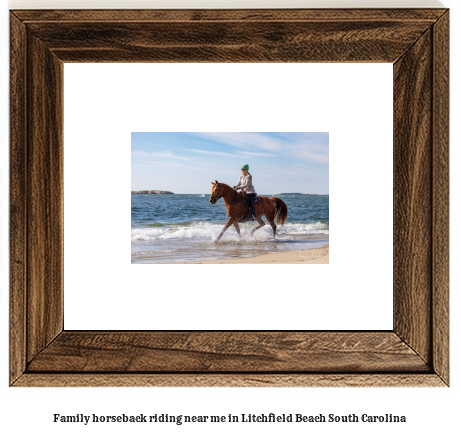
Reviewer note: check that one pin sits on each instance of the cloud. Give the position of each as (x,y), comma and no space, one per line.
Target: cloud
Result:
(221,153)
(309,154)
(249,153)
(157,164)
(308,147)
(243,140)
(216,153)
(167,154)
(154,163)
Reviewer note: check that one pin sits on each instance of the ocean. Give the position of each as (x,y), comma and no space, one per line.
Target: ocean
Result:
(175,228)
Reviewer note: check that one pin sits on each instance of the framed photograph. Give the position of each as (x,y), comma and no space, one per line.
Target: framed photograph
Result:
(414,353)
(181,227)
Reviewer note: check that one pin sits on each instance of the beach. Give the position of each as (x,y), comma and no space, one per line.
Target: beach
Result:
(312,256)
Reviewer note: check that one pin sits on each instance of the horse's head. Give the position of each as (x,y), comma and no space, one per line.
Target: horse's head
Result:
(216,193)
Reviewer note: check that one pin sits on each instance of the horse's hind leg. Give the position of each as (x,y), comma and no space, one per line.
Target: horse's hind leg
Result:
(273,225)
(237,227)
(228,224)
(261,224)
(270,215)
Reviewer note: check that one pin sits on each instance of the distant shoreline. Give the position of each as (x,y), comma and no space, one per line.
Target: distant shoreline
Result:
(152,192)
(298,193)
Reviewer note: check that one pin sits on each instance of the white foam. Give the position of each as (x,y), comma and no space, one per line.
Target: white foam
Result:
(304,228)
(208,230)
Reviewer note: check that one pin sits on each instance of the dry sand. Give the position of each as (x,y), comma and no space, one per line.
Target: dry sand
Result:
(315,255)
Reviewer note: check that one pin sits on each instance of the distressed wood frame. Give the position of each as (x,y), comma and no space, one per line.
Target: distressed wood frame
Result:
(414,353)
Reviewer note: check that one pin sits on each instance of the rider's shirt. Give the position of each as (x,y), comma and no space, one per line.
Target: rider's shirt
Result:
(246,183)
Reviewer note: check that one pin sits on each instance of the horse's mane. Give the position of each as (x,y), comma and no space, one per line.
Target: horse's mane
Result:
(236,196)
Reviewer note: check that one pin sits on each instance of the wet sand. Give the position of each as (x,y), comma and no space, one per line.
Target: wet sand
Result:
(312,256)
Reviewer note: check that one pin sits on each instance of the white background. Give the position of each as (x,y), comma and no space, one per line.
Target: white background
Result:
(428,411)
(103,291)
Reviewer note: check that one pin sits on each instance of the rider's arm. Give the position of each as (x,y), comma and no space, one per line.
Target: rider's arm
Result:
(237,186)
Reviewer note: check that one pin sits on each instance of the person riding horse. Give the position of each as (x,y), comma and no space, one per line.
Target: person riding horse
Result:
(274,209)
(245,183)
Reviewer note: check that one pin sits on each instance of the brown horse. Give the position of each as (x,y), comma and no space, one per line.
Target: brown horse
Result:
(236,206)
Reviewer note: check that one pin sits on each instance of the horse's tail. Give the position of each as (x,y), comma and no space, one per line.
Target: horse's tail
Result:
(281,210)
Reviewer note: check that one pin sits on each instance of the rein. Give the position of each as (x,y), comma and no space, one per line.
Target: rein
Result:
(217,196)
(234,196)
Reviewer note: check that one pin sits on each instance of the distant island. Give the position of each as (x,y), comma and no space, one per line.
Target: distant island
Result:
(152,192)
(298,193)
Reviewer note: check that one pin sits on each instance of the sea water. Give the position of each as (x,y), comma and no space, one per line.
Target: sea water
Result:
(175,228)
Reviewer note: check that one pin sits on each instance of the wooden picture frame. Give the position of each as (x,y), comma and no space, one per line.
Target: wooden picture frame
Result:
(414,353)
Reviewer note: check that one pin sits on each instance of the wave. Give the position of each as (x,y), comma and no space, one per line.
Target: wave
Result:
(205,231)
(140,253)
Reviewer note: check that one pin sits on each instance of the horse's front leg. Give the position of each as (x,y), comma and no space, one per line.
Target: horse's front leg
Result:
(228,224)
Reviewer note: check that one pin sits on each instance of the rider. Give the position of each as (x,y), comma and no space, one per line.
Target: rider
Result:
(246,184)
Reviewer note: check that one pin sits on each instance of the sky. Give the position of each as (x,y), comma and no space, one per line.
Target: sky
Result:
(186,163)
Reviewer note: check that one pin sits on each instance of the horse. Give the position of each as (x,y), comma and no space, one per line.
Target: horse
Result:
(273,208)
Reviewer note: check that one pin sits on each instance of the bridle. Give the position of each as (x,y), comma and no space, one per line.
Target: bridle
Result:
(217,196)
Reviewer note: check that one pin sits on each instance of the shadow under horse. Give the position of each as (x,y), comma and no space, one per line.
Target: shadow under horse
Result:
(273,208)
